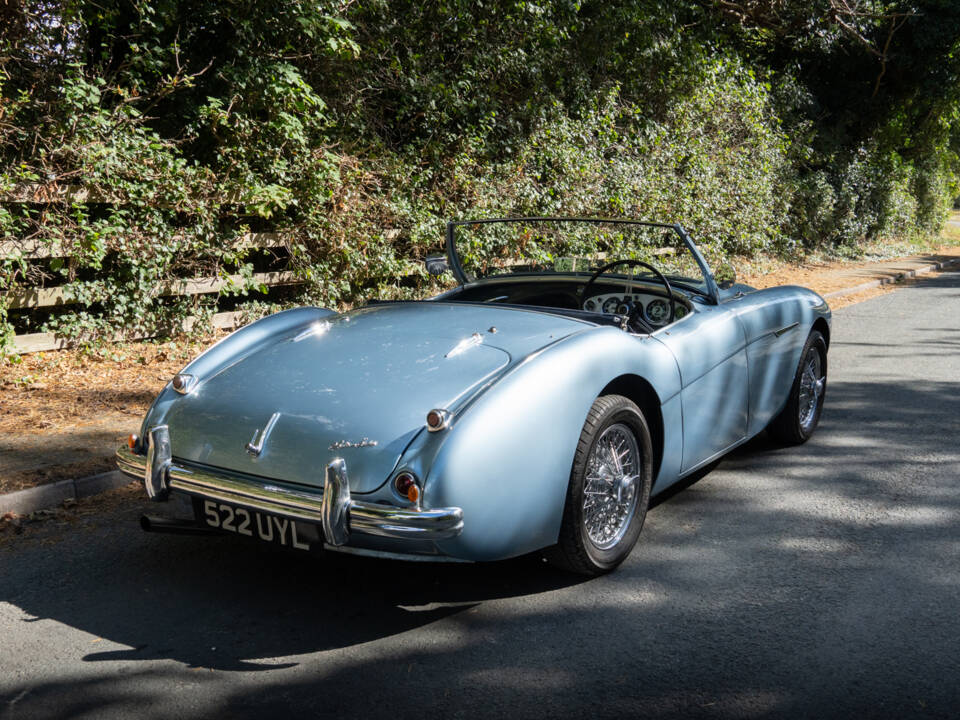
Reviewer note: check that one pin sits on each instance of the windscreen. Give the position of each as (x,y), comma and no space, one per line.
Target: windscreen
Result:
(564,246)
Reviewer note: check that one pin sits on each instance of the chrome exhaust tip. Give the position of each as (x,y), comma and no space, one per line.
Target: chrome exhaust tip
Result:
(172,526)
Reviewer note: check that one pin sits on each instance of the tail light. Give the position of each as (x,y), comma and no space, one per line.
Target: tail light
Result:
(437,420)
(183,383)
(407,487)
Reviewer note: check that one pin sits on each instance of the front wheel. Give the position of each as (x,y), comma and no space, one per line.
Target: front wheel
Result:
(609,489)
(798,419)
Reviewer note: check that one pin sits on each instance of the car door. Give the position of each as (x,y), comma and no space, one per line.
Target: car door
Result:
(709,346)
(774,339)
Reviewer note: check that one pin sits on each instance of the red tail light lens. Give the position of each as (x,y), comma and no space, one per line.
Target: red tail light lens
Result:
(406,486)
(437,420)
(183,383)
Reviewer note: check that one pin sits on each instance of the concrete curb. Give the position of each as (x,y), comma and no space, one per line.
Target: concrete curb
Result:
(48,496)
(879,282)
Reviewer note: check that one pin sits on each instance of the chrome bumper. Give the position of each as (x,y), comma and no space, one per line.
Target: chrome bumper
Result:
(334,509)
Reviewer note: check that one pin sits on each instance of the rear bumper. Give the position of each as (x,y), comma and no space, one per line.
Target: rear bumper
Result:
(333,508)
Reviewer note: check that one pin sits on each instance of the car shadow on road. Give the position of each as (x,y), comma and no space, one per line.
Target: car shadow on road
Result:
(215,602)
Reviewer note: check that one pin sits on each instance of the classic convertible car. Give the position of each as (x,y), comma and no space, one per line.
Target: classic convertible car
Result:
(575,367)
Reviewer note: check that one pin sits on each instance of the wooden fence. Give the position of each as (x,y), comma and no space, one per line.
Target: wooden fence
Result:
(30,298)
(38,298)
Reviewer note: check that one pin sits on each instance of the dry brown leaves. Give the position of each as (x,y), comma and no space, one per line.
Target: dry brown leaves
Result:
(45,526)
(52,391)
(54,401)
(827,277)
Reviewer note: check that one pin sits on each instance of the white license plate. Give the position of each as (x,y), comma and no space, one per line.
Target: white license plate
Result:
(262,526)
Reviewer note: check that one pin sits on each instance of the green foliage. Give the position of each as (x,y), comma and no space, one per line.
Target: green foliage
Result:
(355,129)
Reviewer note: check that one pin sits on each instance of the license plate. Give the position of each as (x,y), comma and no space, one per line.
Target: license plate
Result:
(259,525)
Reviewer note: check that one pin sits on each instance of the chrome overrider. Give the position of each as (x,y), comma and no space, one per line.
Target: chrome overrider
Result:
(334,509)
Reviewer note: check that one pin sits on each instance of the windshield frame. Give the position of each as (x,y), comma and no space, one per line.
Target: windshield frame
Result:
(713,293)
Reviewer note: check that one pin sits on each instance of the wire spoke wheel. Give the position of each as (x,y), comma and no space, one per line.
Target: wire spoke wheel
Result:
(811,388)
(610,493)
(609,488)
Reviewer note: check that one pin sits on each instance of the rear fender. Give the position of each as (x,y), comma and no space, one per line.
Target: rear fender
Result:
(506,458)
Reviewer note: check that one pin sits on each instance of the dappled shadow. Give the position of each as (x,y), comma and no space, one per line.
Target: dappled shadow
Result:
(215,602)
(816,581)
(750,590)
(27,453)
(106,395)
(62,431)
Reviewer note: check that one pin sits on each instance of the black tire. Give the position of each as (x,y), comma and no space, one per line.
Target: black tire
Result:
(790,427)
(576,551)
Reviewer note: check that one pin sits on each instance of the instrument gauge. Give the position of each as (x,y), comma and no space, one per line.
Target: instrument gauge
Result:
(610,305)
(590,306)
(657,312)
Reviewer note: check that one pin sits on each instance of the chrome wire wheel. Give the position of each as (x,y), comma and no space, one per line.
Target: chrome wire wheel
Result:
(795,423)
(812,381)
(611,488)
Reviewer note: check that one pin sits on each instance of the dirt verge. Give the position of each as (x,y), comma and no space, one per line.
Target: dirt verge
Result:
(63,413)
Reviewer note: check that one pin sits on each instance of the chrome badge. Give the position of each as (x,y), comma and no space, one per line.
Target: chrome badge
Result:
(340,444)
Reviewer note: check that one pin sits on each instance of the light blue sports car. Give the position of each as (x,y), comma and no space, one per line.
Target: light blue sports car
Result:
(575,367)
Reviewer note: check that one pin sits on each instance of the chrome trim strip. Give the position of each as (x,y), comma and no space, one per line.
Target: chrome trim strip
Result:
(340,515)
(133,468)
(301,506)
(781,331)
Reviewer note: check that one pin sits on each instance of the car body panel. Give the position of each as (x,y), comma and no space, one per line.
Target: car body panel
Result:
(776,324)
(328,383)
(506,460)
(709,347)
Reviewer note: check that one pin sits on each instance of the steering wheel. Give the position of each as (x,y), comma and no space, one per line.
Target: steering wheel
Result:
(640,263)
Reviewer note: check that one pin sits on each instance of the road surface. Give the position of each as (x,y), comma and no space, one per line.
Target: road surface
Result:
(819,581)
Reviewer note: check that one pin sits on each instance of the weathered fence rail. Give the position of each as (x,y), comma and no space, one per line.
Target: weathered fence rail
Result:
(32,249)
(45,298)
(22,298)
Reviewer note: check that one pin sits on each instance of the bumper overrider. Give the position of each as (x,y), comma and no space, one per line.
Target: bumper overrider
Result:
(333,509)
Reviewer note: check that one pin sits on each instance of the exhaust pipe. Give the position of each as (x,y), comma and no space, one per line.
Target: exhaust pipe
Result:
(174,526)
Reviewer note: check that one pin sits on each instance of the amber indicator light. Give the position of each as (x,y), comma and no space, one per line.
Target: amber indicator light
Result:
(406,486)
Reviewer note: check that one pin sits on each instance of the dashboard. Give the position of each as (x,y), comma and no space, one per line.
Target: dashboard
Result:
(655,309)
(563,294)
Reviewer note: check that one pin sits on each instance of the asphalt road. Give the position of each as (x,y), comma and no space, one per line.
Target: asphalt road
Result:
(815,581)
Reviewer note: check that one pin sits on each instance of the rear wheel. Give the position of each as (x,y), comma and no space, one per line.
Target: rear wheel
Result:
(609,489)
(798,419)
